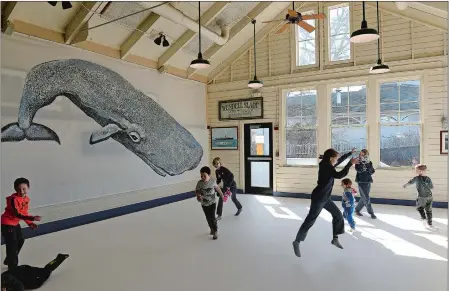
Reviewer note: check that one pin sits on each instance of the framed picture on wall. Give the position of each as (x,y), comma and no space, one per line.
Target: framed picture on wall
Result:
(443,142)
(224,138)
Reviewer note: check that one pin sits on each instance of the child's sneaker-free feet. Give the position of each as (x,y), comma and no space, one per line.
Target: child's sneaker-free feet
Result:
(373,216)
(215,235)
(238,212)
(358,213)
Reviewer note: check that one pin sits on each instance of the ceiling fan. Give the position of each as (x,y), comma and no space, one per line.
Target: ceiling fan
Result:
(294,17)
(65,4)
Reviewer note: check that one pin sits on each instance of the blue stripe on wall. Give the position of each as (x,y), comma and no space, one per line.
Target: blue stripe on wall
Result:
(374,200)
(54,226)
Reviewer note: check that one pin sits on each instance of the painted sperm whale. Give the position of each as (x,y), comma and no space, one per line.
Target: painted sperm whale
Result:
(126,114)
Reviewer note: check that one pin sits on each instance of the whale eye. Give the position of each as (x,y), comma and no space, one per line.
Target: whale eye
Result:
(135,137)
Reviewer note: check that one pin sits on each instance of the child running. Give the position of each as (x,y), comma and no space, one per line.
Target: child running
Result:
(223,174)
(348,202)
(364,178)
(424,200)
(321,197)
(205,193)
(16,210)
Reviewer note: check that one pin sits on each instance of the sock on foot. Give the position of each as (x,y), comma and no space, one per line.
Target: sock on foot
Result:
(238,212)
(336,243)
(296,248)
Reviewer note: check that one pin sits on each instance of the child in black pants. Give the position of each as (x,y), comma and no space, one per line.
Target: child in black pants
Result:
(27,277)
(223,174)
(205,193)
(424,187)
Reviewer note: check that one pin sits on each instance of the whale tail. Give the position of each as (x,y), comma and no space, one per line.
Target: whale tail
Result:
(13,133)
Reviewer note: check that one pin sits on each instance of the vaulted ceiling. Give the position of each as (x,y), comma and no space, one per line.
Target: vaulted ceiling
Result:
(102,28)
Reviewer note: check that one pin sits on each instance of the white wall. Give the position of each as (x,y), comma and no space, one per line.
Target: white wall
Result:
(410,49)
(76,170)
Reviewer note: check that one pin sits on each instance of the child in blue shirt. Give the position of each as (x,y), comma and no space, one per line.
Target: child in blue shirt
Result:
(348,202)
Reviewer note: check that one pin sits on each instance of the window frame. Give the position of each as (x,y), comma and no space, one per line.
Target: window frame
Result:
(421,122)
(327,41)
(295,49)
(329,111)
(283,125)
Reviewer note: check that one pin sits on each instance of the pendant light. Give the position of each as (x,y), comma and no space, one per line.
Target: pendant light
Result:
(255,83)
(364,34)
(379,68)
(199,63)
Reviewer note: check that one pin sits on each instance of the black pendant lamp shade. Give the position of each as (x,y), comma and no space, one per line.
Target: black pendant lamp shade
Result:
(199,63)
(65,4)
(379,68)
(364,34)
(161,39)
(255,83)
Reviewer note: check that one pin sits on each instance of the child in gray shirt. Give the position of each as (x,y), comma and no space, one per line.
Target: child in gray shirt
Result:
(205,193)
(424,187)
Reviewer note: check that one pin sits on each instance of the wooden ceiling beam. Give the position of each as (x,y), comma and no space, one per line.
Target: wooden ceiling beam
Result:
(7,9)
(76,31)
(234,31)
(206,18)
(268,28)
(143,27)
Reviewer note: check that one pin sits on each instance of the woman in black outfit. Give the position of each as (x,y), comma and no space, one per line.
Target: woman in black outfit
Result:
(321,197)
(223,174)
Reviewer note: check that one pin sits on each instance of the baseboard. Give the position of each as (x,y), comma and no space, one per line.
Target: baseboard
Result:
(374,200)
(63,224)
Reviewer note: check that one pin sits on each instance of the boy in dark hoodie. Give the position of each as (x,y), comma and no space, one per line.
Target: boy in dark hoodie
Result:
(364,179)
(424,187)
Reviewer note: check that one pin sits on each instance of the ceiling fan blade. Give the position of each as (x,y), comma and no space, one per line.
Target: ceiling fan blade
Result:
(314,16)
(273,21)
(292,13)
(66,5)
(52,3)
(283,28)
(309,28)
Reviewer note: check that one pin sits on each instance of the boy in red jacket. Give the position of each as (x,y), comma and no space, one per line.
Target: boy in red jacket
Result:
(16,210)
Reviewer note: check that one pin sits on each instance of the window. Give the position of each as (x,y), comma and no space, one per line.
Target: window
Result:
(400,126)
(306,44)
(300,128)
(339,33)
(348,125)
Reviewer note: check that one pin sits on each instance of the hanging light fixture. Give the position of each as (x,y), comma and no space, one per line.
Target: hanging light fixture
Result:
(379,68)
(199,63)
(161,39)
(255,83)
(364,34)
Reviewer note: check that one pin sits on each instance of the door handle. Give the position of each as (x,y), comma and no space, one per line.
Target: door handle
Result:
(260,159)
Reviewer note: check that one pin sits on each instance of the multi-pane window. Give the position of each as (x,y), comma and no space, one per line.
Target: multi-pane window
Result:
(300,128)
(306,44)
(339,33)
(348,125)
(400,123)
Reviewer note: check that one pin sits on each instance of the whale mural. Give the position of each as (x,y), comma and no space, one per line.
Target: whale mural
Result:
(126,114)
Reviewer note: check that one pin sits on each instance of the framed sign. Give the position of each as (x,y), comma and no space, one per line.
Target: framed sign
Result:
(241,109)
(443,142)
(224,138)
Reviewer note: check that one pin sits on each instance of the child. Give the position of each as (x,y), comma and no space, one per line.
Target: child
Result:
(26,277)
(205,193)
(363,178)
(348,202)
(223,174)
(423,186)
(16,210)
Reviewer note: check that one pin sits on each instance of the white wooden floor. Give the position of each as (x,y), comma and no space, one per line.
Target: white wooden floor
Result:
(169,248)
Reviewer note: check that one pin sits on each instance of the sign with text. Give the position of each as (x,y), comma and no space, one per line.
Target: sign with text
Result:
(241,109)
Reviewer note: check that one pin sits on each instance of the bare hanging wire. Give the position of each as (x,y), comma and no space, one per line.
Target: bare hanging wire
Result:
(378,31)
(199,25)
(255,69)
